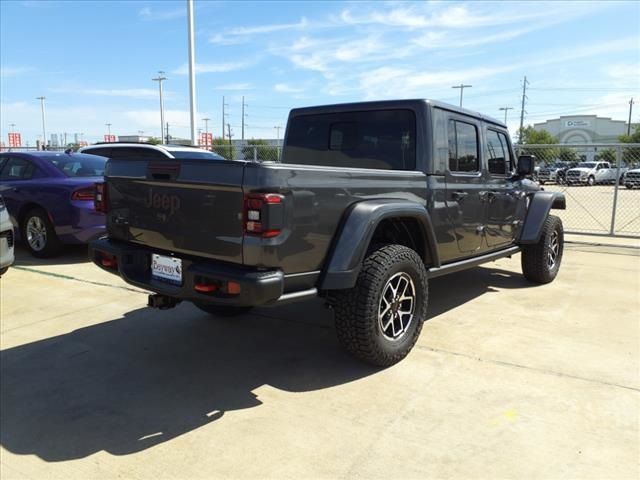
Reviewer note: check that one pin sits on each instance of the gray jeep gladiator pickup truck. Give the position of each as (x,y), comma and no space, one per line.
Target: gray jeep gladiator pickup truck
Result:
(369,201)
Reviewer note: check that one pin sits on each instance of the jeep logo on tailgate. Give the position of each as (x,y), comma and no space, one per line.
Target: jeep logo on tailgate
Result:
(162,201)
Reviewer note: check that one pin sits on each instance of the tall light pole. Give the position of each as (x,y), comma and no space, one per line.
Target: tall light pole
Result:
(278,127)
(506,109)
(108,129)
(160,78)
(192,71)
(44,125)
(462,86)
(631,102)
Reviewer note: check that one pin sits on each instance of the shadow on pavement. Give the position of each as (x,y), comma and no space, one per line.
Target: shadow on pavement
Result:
(130,383)
(70,254)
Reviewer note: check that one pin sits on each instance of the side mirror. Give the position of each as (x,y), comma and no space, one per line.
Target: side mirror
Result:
(526,165)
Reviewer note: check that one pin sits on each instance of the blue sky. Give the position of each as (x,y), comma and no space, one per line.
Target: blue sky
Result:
(93,61)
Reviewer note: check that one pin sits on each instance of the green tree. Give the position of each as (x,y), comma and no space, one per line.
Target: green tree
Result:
(222,147)
(633,138)
(631,155)
(608,155)
(530,136)
(262,149)
(154,141)
(567,155)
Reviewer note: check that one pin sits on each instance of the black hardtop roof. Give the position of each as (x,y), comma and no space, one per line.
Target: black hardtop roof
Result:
(386,104)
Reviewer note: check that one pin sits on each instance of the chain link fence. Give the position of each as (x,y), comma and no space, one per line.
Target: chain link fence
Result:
(255,153)
(601,183)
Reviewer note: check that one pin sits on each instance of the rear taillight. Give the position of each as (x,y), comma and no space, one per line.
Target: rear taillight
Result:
(263,213)
(107,260)
(100,197)
(86,193)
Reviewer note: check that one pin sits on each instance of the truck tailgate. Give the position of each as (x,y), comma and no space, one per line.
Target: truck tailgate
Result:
(187,206)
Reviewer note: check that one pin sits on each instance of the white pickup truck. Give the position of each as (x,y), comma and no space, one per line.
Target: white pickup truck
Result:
(591,173)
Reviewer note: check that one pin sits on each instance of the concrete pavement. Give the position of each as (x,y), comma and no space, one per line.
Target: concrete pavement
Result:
(508,380)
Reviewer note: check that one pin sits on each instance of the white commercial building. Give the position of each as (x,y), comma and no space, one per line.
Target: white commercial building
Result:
(584,129)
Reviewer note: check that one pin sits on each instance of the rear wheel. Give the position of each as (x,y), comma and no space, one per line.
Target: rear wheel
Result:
(379,320)
(222,310)
(541,261)
(39,234)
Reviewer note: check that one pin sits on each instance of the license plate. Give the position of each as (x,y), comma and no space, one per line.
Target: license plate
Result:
(167,269)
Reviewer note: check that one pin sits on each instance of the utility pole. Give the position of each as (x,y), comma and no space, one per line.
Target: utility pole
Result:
(630,109)
(243,116)
(167,132)
(160,78)
(224,115)
(230,144)
(522,112)
(44,127)
(192,72)
(278,127)
(462,86)
(206,131)
(506,109)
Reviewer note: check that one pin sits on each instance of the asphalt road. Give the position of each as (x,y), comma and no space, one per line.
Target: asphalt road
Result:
(508,380)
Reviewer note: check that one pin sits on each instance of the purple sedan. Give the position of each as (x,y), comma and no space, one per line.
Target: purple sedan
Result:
(49,196)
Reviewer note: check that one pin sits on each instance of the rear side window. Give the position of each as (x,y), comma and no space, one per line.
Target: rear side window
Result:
(103,152)
(17,169)
(498,157)
(133,153)
(378,139)
(463,147)
(80,165)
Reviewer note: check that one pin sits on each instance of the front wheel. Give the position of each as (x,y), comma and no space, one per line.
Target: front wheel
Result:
(380,319)
(591,181)
(541,261)
(39,235)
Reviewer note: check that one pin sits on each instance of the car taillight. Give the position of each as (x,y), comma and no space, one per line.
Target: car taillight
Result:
(100,200)
(86,193)
(263,214)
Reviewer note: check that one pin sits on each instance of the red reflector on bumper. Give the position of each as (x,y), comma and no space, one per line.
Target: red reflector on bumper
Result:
(205,287)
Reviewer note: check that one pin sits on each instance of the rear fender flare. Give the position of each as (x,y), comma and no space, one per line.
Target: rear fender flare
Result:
(354,236)
(540,204)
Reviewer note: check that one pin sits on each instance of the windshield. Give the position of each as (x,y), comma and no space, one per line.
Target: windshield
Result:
(196,155)
(79,165)
(586,165)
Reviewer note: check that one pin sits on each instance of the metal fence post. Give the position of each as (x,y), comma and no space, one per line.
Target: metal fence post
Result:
(255,154)
(615,192)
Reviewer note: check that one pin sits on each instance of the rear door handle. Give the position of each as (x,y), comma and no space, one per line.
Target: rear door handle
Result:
(459,195)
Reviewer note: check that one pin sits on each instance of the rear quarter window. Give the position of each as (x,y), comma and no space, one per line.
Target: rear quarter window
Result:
(377,139)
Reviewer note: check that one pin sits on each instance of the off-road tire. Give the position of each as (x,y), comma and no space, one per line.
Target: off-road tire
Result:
(356,309)
(222,310)
(3,271)
(52,244)
(536,258)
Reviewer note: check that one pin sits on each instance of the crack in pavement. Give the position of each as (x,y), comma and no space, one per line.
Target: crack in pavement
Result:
(525,367)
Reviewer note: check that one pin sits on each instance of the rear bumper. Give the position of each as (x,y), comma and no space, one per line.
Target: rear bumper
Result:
(257,287)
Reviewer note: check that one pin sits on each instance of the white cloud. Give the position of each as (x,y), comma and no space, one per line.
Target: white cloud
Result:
(285,88)
(6,72)
(212,67)
(278,27)
(148,13)
(234,86)
(225,39)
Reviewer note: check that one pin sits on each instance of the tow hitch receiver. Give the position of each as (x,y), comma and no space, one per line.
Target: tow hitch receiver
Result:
(162,302)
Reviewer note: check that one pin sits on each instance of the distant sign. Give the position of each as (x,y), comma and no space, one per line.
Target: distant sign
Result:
(577,123)
(15,140)
(109,138)
(206,139)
